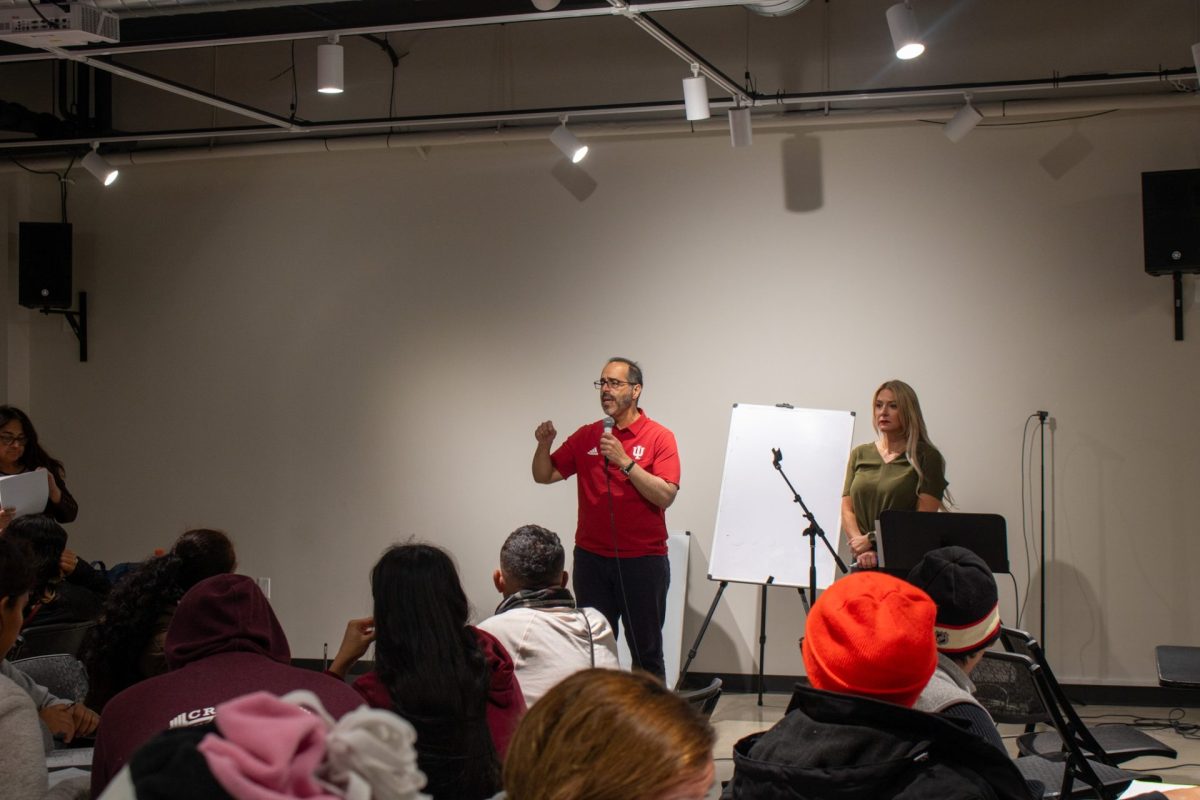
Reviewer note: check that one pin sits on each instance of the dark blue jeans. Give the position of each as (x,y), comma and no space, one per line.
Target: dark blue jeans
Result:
(630,589)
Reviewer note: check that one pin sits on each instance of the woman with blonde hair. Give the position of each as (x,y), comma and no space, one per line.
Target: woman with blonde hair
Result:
(900,470)
(610,735)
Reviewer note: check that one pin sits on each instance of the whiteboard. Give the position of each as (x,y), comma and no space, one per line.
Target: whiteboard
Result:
(759,532)
(679,543)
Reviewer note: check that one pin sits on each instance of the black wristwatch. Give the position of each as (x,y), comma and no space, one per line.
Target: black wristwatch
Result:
(629,468)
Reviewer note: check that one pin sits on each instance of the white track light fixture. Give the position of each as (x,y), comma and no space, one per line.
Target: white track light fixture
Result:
(906,36)
(695,95)
(101,170)
(741,134)
(565,141)
(329,67)
(545,5)
(963,122)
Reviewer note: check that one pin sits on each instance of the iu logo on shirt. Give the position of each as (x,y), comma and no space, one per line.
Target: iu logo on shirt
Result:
(638,452)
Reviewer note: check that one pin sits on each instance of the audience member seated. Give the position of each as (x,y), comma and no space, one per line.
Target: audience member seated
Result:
(62,718)
(538,623)
(127,645)
(224,641)
(22,755)
(55,599)
(260,746)
(968,622)
(608,735)
(869,651)
(453,682)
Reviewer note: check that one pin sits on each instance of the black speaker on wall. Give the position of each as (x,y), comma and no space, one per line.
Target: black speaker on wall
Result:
(45,265)
(1171,221)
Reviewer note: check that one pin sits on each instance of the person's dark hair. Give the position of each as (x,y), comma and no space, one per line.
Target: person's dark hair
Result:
(34,456)
(45,540)
(634,369)
(134,610)
(430,662)
(533,556)
(16,571)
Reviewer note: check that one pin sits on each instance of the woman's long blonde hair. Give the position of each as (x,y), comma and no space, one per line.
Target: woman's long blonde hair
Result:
(606,735)
(916,437)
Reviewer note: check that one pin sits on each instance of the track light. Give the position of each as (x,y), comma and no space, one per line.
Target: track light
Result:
(695,95)
(329,67)
(963,122)
(906,36)
(545,5)
(565,141)
(740,132)
(101,170)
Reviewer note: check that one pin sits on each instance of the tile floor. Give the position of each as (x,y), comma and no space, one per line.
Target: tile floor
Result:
(739,715)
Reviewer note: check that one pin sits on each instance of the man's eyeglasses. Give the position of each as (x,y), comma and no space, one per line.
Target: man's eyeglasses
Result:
(610,383)
(8,440)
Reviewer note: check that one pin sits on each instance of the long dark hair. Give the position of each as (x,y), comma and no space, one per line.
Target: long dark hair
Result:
(115,647)
(45,541)
(16,572)
(34,456)
(430,662)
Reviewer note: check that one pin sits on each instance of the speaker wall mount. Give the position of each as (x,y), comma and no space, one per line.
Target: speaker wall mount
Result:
(77,319)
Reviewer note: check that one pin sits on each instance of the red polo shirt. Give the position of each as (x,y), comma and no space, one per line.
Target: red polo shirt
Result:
(641,526)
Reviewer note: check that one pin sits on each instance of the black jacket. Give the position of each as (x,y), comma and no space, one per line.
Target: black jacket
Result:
(842,747)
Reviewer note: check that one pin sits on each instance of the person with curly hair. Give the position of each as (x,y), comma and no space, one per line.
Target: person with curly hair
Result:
(127,646)
(20,451)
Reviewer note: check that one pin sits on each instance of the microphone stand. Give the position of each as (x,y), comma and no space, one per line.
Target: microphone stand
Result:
(812,531)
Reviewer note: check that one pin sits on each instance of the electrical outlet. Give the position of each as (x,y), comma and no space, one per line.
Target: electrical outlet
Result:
(265,585)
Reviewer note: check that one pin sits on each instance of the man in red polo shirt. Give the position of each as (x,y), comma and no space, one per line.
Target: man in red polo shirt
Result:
(626,479)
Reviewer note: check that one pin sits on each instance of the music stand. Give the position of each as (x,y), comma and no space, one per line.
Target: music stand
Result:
(904,537)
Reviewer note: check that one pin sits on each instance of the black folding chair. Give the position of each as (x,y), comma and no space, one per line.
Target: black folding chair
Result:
(55,639)
(1016,685)
(1111,744)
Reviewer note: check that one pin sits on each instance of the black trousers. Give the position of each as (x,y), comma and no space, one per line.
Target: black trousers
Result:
(629,589)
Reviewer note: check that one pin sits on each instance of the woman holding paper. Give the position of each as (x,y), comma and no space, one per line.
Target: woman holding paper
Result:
(20,452)
(901,469)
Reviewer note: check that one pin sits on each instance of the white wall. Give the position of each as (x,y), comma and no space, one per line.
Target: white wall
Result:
(326,354)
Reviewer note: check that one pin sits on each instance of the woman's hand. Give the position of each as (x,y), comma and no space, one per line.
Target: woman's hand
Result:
(55,492)
(868,560)
(357,638)
(68,561)
(860,543)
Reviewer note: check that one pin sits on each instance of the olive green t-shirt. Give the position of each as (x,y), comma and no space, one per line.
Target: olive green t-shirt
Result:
(874,486)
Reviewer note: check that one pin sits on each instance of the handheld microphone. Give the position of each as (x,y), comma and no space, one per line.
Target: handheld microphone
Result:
(608,426)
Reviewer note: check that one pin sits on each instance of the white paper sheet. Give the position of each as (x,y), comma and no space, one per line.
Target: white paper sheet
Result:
(27,492)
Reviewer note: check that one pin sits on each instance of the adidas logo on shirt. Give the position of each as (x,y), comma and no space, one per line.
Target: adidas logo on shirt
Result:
(593,452)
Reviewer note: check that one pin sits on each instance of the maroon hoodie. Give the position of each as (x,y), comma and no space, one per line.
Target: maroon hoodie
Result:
(224,642)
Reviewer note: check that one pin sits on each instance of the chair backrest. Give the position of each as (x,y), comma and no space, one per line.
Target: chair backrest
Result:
(1077,764)
(63,675)
(1006,688)
(1018,641)
(705,699)
(59,638)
